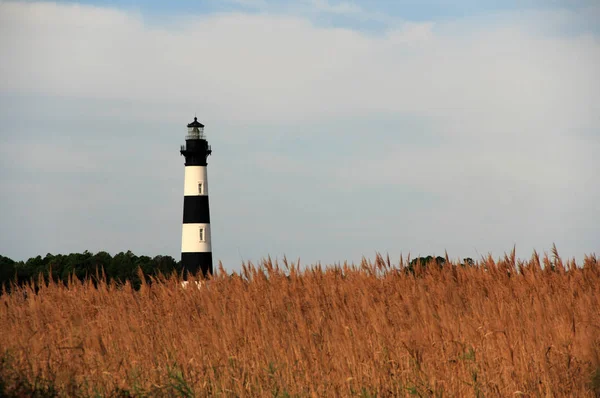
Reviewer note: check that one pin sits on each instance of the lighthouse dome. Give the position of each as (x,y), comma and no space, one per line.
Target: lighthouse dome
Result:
(195,123)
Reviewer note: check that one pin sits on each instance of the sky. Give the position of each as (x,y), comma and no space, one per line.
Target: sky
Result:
(339,129)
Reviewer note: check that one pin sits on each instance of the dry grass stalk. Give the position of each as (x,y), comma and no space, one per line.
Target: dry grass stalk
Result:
(501,328)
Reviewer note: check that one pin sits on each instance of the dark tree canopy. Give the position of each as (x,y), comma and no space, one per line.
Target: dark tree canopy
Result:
(439,261)
(123,266)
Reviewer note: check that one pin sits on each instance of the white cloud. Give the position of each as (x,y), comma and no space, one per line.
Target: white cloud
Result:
(281,67)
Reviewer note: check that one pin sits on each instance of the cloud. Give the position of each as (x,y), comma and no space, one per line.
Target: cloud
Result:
(487,124)
(281,67)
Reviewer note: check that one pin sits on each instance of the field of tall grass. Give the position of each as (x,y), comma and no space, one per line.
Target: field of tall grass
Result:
(499,328)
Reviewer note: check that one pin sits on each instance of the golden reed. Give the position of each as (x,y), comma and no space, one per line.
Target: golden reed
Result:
(497,329)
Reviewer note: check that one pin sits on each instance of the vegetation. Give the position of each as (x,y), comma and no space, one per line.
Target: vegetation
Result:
(491,328)
(123,266)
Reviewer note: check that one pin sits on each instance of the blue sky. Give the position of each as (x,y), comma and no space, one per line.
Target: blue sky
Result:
(413,10)
(339,129)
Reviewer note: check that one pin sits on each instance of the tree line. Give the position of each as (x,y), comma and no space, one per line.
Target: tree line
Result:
(122,267)
(119,268)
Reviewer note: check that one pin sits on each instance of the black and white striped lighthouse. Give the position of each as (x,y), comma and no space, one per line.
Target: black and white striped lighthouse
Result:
(196,251)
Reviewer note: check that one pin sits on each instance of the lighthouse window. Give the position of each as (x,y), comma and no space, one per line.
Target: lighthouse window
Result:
(201,234)
(200,188)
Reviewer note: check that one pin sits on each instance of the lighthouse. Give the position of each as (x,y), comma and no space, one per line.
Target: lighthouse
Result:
(196,251)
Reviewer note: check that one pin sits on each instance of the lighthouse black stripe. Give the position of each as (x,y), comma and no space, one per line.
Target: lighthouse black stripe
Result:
(191,160)
(195,210)
(194,262)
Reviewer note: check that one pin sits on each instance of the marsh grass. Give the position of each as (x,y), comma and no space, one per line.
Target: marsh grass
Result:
(498,328)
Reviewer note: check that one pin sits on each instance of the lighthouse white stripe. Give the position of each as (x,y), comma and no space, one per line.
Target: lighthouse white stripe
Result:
(190,238)
(195,175)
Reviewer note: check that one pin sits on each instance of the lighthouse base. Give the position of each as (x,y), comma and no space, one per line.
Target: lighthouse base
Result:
(194,262)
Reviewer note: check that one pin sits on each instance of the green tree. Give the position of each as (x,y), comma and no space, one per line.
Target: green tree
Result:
(7,271)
